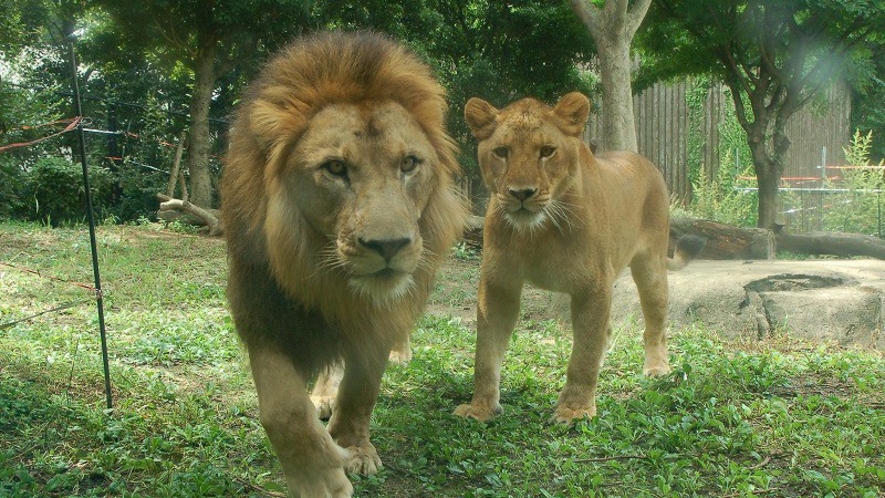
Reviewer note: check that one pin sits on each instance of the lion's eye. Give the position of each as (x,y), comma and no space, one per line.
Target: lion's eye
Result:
(335,167)
(409,164)
(547,151)
(501,152)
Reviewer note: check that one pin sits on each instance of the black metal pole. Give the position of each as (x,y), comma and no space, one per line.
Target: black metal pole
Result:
(78,111)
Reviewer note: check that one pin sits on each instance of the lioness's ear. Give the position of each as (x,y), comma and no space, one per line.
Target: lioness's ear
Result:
(573,109)
(481,118)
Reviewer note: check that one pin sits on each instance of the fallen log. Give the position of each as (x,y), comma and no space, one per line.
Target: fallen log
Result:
(725,241)
(210,218)
(843,245)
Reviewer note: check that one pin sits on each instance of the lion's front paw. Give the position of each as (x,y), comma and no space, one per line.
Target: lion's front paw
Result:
(363,460)
(324,406)
(656,369)
(483,413)
(322,480)
(568,415)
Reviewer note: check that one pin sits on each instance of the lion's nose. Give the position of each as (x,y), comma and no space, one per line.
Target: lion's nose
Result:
(523,194)
(387,248)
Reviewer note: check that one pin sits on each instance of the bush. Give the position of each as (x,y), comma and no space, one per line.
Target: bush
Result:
(54,191)
(720,199)
(858,210)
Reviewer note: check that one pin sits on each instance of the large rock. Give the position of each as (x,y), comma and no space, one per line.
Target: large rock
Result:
(833,300)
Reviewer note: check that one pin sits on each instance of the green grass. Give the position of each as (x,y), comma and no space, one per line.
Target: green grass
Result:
(771,419)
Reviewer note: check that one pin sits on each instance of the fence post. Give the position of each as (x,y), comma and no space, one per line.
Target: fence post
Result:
(90,215)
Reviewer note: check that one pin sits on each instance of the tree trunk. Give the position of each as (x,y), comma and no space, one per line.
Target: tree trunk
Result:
(618,127)
(767,182)
(612,28)
(198,140)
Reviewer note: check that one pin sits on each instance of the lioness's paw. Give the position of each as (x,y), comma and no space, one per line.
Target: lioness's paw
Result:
(363,460)
(478,412)
(658,370)
(324,405)
(567,415)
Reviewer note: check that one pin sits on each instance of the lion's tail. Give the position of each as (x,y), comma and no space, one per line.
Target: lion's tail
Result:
(687,248)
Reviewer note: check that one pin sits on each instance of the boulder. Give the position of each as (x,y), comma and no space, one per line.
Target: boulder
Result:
(838,301)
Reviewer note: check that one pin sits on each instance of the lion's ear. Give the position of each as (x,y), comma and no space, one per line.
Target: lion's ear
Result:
(481,118)
(573,109)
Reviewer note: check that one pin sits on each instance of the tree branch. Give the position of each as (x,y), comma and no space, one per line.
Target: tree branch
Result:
(636,15)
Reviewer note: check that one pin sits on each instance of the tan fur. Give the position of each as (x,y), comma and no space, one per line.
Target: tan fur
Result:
(339,205)
(568,221)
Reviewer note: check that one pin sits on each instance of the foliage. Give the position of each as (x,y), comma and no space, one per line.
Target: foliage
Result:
(724,198)
(867,112)
(777,417)
(54,189)
(858,210)
(29,116)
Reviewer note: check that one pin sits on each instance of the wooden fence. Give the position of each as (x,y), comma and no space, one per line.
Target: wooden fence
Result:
(664,125)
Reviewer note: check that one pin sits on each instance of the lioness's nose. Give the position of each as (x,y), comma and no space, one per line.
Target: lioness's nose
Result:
(523,194)
(387,248)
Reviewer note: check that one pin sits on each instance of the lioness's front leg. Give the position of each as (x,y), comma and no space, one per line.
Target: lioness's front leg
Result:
(497,311)
(312,463)
(590,324)
(349,425)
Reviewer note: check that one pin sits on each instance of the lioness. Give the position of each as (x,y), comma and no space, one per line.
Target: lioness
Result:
(339,204)
(568,221)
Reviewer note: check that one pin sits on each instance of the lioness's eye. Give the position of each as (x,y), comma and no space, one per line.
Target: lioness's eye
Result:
(409,164)
(547,150)
(335,167)
(501,152)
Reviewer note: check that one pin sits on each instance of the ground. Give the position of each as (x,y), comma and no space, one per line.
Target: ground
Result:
(828,299)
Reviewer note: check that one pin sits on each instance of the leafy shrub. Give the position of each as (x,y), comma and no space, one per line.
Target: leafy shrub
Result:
(721,199)
(11,186)
(54,190)
(858,210)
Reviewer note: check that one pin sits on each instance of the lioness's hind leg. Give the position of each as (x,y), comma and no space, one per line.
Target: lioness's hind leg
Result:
(650,275)
(312,463)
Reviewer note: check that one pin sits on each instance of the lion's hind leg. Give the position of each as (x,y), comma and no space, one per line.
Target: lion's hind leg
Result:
(357,394)
(325,390)
(402,352)
(650,274)
(312,463)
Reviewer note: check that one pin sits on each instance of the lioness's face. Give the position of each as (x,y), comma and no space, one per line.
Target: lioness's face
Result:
(361,176)
(528,153)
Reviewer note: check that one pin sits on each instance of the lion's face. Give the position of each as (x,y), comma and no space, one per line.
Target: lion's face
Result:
(360,177)
(528,153)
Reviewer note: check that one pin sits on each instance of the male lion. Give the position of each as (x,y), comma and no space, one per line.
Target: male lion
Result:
(568,221)
(339,204)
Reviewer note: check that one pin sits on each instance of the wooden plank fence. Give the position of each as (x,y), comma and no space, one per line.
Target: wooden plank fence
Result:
(664,125)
